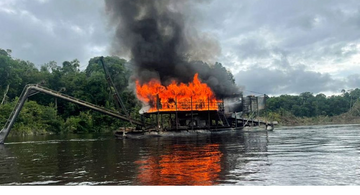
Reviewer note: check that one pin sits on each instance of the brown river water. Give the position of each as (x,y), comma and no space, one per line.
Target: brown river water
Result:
(288,156)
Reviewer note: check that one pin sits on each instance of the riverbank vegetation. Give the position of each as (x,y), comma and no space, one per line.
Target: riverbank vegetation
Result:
(45,114)
(309,109)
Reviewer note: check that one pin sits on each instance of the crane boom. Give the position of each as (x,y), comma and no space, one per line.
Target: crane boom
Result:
(113,89)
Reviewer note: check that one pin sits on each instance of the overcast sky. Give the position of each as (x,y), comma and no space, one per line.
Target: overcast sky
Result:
(270,46)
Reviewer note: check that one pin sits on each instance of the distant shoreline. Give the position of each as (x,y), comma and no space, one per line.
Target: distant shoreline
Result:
(297,121)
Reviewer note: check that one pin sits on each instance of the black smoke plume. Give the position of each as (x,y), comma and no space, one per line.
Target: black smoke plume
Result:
(161,38)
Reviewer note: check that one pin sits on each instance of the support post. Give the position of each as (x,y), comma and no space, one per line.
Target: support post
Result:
(157,121)
(257,107)
(171,127)
(176,114)
(208,112)
(157,115)
(162,120)
(192,115)
(6,130)
(236,122)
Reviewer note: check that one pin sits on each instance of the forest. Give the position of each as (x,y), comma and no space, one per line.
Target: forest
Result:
(307,108)
(43,114)
(46,114)
(308,105)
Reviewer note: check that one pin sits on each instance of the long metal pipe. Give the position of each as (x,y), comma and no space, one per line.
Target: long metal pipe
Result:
(32,88)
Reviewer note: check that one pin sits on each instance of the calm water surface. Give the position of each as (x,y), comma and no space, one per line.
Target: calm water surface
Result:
(309,155)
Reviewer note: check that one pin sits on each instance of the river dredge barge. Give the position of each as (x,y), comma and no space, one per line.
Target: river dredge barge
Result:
(228,115)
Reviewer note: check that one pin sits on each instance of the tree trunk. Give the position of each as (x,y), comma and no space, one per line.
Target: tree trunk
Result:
(5,93)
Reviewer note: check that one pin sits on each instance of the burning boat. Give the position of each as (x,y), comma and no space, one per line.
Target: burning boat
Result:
(193,107)
(180,106)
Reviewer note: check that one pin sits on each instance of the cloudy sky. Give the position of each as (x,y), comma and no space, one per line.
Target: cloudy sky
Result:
(270,46)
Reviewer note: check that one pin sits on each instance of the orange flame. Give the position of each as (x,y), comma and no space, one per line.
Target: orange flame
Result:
(177,96)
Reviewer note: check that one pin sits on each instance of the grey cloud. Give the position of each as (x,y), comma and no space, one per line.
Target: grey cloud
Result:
(277,43)
(353,81)
(54,30)
(266,40)
(276,82)
(309,30)
(252,48)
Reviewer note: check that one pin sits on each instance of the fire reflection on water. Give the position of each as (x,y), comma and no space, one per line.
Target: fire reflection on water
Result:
(183,165)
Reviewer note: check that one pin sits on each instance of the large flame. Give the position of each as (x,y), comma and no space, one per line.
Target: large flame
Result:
(177,96)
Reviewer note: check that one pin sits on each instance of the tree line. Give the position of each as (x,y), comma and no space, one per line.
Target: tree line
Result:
(309,109)
(46,114)
(309,105)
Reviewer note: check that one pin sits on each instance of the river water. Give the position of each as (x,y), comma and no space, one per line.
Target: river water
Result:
(287,156)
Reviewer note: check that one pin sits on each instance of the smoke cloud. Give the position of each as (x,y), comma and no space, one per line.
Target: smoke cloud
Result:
(162,41)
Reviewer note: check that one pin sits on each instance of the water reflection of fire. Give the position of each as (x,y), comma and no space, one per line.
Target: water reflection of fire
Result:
(177,96)
(196,165)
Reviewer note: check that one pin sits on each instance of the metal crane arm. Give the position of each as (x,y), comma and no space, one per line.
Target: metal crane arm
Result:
(32,89)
